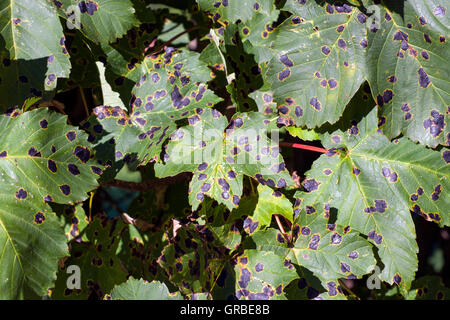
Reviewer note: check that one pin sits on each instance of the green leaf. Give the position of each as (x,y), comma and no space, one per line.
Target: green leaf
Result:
(259,31)
(142,290)
(24,78)
(307,287)
(31,30)
(327,250)
(110,97)
(28,103)
(166,93)
(222,223)
(74,220)
(138,252)
(373,184)
(190,261)
(229,11)
(269,203)
(219,159)
(42,160)
(102,21)
(330,251)
(428,288)
(407,68)
(318,62)
(261,275)
(83,56)
(304,134)
(100,266)
(241,73)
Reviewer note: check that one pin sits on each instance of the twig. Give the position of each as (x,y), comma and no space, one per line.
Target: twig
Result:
(83,97)
(277,218)
(149,184)
(161,47)
(57,105)
(280,226)
(348,289)
(91,199)
(303,146)
(251,185)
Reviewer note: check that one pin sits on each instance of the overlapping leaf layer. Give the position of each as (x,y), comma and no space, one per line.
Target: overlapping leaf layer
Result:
(184,102)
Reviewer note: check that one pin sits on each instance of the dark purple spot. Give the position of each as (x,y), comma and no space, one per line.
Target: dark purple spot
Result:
(392,79)
(283,109)
(82,153)
(380,205)
(422,21)
(420,191)
(21,194)
(314,242)
(393,177)
(298,111)
(325,50)
(354,129)
(32,152)
(423,78)
(267,98)
(65,189)
(52,166)
(310,210)
(39,218)
(387,96)
(155,77)
(345,267)
(342,44)
(259,267)
(353,255)
(97,170)
(284,74)
(73,169)
(238,122)
(400,36)
(43,124)
(296,20)
(315,103)
(361,18)
(71,135)
(244,278)
(306,231)
(336,238)
(310,185)
(332,83)
(425,55)
(281,183)
(286,61)
(439,11)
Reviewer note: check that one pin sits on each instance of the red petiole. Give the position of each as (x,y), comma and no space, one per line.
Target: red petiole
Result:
(303,146)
